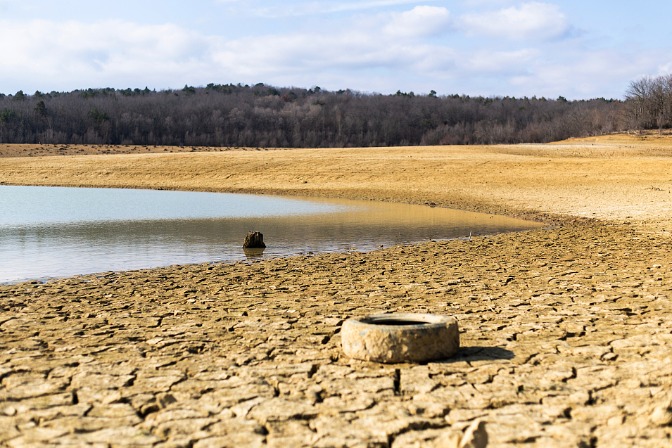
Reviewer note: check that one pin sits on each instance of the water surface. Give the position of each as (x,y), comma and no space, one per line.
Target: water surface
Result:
(50,232)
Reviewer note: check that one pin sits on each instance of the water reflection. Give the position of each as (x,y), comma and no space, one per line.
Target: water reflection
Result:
(252,254)
(65,249)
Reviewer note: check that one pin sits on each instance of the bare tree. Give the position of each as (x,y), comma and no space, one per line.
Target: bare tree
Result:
(649,102)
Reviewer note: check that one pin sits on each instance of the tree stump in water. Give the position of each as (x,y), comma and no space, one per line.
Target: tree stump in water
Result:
(254,240)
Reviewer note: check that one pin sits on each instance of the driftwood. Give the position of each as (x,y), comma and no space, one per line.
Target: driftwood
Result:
(254,240)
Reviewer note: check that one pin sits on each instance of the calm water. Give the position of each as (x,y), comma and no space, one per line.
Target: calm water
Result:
(50,232)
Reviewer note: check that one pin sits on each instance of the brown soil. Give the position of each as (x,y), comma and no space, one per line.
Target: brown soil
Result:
(565,330)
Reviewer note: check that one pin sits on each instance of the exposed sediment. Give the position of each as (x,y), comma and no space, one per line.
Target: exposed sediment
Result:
(565,335)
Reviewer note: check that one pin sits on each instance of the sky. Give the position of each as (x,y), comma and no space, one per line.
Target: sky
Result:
(578,49)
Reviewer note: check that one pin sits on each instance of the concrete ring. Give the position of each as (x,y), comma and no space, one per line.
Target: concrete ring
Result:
(400,337)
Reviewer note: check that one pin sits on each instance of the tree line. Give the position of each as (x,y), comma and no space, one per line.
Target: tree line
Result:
(265,116)
(649,101)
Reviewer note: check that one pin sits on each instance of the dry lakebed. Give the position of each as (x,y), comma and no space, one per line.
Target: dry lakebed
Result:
(565,330)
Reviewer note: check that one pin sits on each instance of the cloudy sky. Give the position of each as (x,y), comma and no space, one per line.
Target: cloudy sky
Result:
(574,48)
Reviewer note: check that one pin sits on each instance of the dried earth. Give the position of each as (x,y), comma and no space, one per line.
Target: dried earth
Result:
(565,331)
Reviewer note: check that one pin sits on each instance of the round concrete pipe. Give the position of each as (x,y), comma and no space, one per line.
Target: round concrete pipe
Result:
(401,337)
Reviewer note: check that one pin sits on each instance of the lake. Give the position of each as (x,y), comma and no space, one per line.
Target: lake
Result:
(48,232)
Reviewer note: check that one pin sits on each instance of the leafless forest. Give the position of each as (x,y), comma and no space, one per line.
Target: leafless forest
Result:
(267,116)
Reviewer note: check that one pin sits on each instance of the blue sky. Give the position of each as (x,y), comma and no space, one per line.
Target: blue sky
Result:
(574,48)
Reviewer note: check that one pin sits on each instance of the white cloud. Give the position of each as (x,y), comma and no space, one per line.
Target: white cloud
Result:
(75,55)
(371,4)
(420,21)
(417,48)
(664,69)
(499,62)
(308,8)
(351,50)
(480,3)
(581,74)
(533,20)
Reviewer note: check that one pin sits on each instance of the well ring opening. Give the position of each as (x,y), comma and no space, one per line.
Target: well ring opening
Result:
(400,337)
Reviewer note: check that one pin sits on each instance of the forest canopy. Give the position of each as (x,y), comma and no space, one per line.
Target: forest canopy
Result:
(265,116)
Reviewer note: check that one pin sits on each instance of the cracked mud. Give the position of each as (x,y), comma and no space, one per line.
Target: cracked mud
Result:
(565,334)
(557,348)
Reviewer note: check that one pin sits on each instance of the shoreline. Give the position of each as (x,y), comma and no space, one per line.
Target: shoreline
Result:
(564,330)
(333,225)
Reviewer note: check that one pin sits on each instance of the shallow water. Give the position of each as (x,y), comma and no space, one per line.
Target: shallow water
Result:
(50,232)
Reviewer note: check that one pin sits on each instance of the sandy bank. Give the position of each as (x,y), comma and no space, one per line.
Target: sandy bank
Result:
(566,338)
(615,178)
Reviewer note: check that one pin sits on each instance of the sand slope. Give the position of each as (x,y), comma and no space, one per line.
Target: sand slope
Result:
(620,179)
